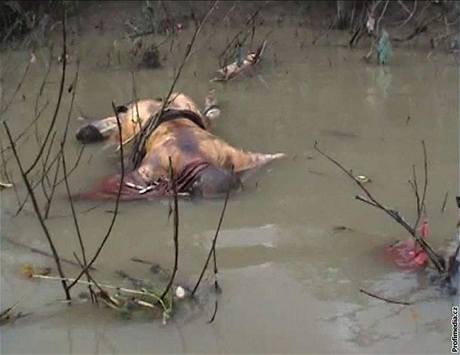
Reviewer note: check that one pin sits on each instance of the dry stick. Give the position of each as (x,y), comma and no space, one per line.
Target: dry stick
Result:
(74,167)
(414,184)
(49,198)
(419,29)
(213,246)
(216,307)
(133,82)
(117,288)
(58,103)
(250,20)
(45,78)
(39,94)
(425,171)
(421,201)
(39,251)
(18,87)
(4,171)
(216,288)
(117,202)
(90,280)
(29,126)
(37,99)
(77,161)
(38,213)
(411,14)
(63,141)
(44,162)
(176,231)
(384,299)
(370,200)
(325,33)
(377,25)
(139,144)
(34,185)
(216,282)
(443,207)
(75,221)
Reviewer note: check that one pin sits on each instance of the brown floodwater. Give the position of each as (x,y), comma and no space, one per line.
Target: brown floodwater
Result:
(290,278)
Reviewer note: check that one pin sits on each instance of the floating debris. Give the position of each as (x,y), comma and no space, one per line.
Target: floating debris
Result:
(239,66)
(7,315)
(180,292)
(28,270)
(342,229)
(5,185)
(363,179)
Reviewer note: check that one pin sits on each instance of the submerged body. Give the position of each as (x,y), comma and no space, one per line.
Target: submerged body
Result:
(202,163)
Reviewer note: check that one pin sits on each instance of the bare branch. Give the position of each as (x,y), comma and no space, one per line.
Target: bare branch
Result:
(395,215)
(18,87)
(75,221)
(151,123)
(58,103)
(387,300)
(213,246)
(176,230)
(39,251)
(38,213)
(117,202)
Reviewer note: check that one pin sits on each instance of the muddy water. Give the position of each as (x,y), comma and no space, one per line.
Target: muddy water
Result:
(290,278)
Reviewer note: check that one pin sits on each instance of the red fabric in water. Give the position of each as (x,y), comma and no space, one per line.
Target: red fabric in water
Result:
(406,256)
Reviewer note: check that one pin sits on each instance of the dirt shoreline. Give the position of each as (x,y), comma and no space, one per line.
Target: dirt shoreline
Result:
(123,18)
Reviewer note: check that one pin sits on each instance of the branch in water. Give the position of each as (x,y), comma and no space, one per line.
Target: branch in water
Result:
(117,202)
(176,230)
(395,215)
(144,134)
(213,247)
(387,300)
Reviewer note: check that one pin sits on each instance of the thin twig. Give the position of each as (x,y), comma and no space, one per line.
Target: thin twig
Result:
(443,207)
(387,300)
(18,87)
(63,142)
(425,172)
(38,213)
(58,102)
(213,246)
(75,221)
(249,21)
(41,252)
(151,123)
(395,215)
(117,202)
(141,292)
(176,230)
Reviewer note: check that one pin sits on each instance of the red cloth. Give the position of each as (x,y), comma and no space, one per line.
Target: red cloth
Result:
(408,255)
